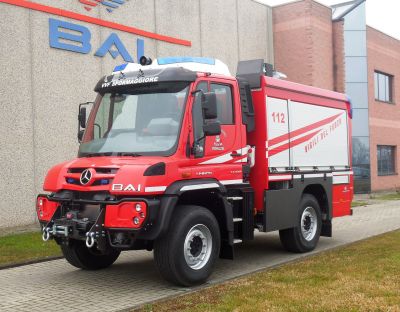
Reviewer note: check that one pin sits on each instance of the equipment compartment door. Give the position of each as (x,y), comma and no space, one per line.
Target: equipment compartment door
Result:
(277,144)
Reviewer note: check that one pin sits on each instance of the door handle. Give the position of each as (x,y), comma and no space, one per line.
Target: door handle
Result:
(235,154)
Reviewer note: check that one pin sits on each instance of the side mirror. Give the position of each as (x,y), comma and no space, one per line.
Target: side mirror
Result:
(209,105)
(80,135)
(212,128)
(82,117)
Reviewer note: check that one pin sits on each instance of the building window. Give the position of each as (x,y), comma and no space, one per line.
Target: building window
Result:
(386,160)
(383,87)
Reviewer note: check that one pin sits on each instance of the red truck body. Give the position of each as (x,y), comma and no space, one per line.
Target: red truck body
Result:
(241,153)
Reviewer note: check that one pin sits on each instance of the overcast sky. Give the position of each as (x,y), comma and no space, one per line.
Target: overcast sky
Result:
(381,14)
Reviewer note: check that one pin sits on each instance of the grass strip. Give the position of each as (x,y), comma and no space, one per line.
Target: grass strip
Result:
(364,276)
(20,248)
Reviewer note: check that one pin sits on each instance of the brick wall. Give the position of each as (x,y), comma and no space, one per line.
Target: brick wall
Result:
(338,56)
(303,43)
(384,56)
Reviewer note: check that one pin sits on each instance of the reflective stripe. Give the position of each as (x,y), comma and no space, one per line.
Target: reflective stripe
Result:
(312,175)
(227,182)
(150,189)
(280,177)
(199,186)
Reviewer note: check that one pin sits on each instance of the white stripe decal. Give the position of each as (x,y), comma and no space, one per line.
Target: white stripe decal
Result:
(199,186)
(227,182)
(226,157)
(150,189)
(280,177)
(341,179)
(218,160)
(312,175)
(342,173)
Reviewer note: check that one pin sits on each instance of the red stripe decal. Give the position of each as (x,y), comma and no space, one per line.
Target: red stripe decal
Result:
(292,144)
(95,21)
(88,2)
(305,129)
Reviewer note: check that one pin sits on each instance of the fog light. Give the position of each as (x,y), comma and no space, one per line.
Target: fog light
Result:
(138,207)
(136,220)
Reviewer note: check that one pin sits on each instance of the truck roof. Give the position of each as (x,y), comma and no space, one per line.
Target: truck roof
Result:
(196,64)
(305,89)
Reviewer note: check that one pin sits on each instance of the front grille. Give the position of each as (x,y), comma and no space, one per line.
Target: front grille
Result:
(98,170)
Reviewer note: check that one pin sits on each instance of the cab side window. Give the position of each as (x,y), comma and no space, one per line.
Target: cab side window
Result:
(224,103)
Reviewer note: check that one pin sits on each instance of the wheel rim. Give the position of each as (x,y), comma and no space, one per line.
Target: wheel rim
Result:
(309,223)
(198,246)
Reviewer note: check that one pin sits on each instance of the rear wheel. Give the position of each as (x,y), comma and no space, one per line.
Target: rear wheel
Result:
(186,254)
(78,255)
(305,236)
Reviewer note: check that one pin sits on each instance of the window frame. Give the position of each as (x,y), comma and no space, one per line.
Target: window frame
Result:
(211,82)
(379,150)
(389,87)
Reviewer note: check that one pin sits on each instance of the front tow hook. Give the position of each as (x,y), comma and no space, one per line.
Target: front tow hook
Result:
(46,235)
(90,240)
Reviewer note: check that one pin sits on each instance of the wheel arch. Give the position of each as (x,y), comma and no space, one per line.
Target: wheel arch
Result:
(324,198)
(207,193)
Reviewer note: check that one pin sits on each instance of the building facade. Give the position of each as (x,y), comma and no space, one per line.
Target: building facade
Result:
(52,55)
(333,48)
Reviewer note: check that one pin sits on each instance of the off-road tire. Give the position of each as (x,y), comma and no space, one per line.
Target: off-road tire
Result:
(78,255)
(293,239)
(169,249)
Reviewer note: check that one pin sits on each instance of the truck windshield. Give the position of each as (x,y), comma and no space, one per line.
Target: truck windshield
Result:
(144,120)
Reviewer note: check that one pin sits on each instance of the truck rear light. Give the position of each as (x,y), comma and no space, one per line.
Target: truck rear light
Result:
(125,215)
(45,209)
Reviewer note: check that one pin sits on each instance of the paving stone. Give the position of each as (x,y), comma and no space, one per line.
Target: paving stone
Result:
(133,280)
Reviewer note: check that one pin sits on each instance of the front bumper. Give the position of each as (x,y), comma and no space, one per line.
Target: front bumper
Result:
(103,222)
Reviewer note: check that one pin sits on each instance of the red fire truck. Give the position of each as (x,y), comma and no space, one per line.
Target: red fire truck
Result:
(179,156)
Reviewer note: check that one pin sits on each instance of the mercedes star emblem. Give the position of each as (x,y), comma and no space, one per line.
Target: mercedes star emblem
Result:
(86,176)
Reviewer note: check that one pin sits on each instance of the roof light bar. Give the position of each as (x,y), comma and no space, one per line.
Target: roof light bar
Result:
(185,59)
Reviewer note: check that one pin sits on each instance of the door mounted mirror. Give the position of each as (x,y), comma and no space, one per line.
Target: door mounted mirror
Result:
(209,105)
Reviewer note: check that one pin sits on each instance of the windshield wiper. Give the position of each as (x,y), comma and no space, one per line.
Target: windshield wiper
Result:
(129,154)
(97,154)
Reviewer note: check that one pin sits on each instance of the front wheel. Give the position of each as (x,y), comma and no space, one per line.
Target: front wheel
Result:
(78,255)
(305,236)
(186,254)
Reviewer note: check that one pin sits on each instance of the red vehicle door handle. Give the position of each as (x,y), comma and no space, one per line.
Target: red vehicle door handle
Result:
(235,154)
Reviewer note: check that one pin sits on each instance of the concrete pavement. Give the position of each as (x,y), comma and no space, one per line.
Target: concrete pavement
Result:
(133,279)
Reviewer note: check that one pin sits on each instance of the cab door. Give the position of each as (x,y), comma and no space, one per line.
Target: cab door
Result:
(222,154)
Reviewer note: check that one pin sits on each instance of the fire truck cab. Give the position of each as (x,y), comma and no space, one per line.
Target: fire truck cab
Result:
(179,156)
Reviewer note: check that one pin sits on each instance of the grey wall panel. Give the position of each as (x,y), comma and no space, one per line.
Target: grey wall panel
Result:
(360,122)
(16,148)
(61,80)
(355,43)
(356,69)
(180,19)
(356,19)
(253,34)
(358,93)
(219,31)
